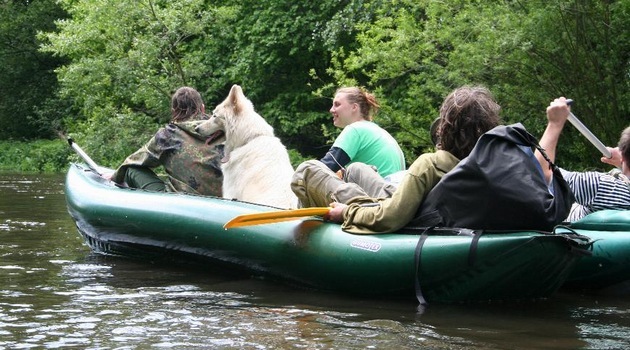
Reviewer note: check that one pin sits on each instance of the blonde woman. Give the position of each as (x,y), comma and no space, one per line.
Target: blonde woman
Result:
(361,140)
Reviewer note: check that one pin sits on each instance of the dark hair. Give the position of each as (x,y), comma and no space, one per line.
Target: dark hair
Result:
(466,114)
(624,145)
(185,103)
(368,105)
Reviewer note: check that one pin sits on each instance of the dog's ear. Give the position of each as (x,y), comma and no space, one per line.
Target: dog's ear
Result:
(235,92)
(236,97)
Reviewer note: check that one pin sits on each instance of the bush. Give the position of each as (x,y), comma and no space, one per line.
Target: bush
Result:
(42,156)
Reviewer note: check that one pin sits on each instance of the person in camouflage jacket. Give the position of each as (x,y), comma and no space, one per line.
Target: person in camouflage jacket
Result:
(192,165)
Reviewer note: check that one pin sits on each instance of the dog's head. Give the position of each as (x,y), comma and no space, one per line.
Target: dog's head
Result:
(213,128)
(234,105)
(236,117)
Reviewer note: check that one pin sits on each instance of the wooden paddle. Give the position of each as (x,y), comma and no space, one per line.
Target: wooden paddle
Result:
(587,133)
(274,216)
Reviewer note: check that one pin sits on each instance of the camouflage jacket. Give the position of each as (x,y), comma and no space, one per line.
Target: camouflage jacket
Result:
(191,165)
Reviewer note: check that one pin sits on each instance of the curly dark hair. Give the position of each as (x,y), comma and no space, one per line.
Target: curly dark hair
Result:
(185,103)
(466,114)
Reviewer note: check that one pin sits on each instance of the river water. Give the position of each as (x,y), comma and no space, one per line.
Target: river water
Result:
(55,293)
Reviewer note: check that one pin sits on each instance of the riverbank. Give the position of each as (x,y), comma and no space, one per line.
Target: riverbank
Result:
(40,156)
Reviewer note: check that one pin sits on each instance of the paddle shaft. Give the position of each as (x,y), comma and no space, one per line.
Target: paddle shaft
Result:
(587,133)
(90,163)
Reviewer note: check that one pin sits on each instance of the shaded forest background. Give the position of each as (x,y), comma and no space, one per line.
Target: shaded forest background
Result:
(103,71)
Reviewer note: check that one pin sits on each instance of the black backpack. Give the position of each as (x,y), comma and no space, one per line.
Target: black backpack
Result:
(499,186)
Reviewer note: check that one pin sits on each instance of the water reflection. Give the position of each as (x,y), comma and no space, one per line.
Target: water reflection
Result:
(55,293)
(103,306)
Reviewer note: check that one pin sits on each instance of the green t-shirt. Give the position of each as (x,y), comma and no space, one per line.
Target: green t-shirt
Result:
(368,143)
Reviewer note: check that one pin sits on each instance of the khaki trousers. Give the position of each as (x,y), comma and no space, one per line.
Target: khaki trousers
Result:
(316,185)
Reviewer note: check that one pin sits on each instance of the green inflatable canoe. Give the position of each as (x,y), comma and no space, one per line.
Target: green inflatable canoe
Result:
(441,265)
(607,269)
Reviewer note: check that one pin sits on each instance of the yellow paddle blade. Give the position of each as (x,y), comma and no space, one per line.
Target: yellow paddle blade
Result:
(274,216)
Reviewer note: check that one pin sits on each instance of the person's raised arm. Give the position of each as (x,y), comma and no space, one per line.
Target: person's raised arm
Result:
(557,114)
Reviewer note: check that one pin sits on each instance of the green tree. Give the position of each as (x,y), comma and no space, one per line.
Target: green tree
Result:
(579,49)
(126,58)
(526,52)
(274,49)
(28,107)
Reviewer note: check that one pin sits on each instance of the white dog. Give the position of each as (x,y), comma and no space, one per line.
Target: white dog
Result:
(256,166)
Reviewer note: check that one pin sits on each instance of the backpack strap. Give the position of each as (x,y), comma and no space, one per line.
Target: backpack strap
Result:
(531,141)
(542,151)
(472,253)
(417,260)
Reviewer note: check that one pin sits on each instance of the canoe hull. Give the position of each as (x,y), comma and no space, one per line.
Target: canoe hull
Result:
(453,265)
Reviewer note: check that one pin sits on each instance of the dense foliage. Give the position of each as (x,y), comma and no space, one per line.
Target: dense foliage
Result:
(117,63)
(29,107)
(35,156)
(527,53)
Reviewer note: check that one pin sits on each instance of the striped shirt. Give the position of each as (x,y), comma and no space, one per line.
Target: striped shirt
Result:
(597,191)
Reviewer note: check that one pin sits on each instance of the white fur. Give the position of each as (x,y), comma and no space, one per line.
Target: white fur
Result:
(256,167)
